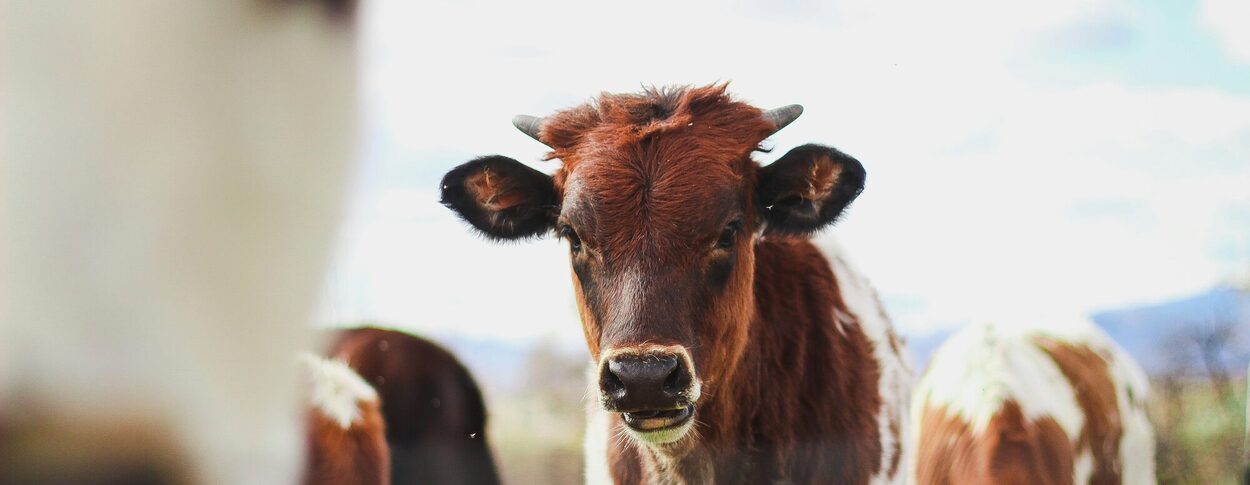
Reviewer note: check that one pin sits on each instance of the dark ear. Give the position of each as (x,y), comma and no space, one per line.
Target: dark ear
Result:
(501,197)
(807,189)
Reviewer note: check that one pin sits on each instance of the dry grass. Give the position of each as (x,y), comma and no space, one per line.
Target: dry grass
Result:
(1200,430)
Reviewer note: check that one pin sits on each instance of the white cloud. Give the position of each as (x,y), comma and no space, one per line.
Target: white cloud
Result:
(977,231)
(1229,21)
(445,76)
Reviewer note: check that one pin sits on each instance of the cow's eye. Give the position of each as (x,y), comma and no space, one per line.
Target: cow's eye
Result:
(729,235)
(575,243)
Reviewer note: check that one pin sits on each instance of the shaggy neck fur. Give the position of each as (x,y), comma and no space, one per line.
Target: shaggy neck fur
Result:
(800,405)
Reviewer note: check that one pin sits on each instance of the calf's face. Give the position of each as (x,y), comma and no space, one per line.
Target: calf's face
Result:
(660,205)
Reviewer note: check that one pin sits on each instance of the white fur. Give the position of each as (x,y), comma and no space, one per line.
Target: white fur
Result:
(595,443)
(1083,467)
(983,365)
(337,390)
(173,173)
(896,374)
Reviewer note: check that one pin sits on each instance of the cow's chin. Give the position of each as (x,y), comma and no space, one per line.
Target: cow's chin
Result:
(659,427)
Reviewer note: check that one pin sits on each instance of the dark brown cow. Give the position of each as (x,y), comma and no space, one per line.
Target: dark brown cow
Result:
(729,348)
(346,430)
(1052,405)
(436,419)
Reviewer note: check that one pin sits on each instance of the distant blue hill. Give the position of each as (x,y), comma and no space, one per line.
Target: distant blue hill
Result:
(922,347)
(1160,336)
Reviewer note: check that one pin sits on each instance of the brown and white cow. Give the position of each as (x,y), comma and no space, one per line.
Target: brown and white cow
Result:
(435,415)
(346,430)
(1052,405)
(728,347)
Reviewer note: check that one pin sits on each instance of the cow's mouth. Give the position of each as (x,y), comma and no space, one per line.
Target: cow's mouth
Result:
(657,420)
(659,426)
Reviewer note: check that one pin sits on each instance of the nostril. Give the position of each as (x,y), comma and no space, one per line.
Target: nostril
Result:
(677,380)
(612,385)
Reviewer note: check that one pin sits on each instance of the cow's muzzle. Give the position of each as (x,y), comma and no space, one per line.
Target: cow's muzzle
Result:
(655,391)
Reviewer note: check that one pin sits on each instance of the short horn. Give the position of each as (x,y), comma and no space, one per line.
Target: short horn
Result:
(528,125)
(783,116)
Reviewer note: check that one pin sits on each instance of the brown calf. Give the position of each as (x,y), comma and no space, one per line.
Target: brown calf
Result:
(729,348)
(436,419)
(1058,406)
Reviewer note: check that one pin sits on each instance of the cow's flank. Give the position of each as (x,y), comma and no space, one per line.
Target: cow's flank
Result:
(1057,406)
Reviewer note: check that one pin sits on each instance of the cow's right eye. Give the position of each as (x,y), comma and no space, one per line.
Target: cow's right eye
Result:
(575,243)
(729,235)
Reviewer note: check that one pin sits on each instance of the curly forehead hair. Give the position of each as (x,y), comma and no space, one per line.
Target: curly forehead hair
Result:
(707,116)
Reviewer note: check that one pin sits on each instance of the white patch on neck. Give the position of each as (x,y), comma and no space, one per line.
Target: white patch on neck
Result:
(896,374)
(337,390)
(595,444)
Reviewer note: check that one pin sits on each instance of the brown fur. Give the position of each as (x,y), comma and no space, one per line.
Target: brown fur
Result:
(1089,376)
(1011,450)
(357,455)
(648,182)
(824,176)
(491,194)
(435,415)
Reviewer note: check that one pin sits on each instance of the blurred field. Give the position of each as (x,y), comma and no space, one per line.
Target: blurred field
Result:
(537,426)
(1200,430)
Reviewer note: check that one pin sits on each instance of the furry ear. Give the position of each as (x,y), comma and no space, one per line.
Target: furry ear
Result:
(501,198)
(807,189)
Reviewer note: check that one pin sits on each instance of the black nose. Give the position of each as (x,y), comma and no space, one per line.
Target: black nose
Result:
(634,383)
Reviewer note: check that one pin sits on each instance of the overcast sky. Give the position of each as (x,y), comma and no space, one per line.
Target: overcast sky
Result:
(1063,155)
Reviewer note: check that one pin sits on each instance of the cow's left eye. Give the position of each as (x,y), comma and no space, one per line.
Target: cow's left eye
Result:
(729,235)
(575,243)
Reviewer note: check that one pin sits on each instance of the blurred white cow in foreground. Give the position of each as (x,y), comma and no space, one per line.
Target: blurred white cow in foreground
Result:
(1047,405)
(171,174)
